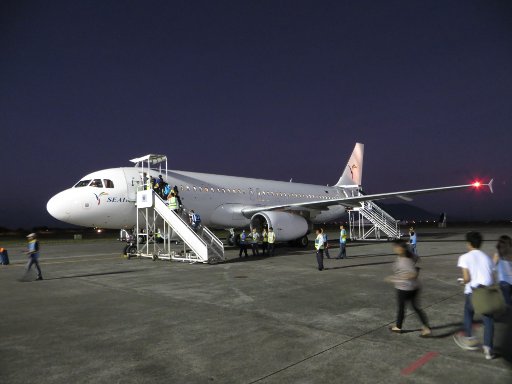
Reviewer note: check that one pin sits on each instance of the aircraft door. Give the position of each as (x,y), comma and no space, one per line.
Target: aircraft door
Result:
(133,180)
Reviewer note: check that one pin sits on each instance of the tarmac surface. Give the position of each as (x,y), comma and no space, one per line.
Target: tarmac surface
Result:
(100,318)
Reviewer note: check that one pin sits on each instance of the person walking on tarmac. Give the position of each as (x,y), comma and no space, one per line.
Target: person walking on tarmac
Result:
(254,243)
(343,243)
(33,254)
(243,244)
(271,241)
(264,244)
(319,246)
(173,202)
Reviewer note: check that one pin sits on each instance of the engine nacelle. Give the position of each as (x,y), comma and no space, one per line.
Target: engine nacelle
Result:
(287,226)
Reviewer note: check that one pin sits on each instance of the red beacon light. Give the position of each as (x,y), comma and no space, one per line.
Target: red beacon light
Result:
(477,184)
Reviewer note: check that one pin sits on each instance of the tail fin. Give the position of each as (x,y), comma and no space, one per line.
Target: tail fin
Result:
(353,174)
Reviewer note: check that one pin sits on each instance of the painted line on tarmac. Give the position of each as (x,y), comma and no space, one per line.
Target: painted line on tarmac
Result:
(350,339)
(65,259)
(419,363)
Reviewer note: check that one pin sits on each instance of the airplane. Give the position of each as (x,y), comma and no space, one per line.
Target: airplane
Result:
(106,199)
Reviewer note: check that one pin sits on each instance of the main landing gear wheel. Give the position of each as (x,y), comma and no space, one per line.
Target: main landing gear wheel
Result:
(303,242)
(130,251)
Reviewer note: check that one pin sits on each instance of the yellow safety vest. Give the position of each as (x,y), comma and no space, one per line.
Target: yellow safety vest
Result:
(343,236)
(271,237)
(265,236)
(317,242)
(173,203)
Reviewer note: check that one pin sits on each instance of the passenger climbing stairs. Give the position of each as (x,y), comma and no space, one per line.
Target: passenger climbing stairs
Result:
(159,230)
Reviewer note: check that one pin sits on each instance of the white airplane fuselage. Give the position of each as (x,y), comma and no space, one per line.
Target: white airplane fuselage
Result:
(219,199)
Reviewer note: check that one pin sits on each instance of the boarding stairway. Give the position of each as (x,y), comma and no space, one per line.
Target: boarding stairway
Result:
(369,221)
(158,228)
(200,244)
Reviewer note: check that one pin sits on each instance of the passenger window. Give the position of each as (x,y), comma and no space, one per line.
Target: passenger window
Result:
(223,190)
(229,190)
(82,183)
(96,183)
(188,188)
(195,189)
(108,183)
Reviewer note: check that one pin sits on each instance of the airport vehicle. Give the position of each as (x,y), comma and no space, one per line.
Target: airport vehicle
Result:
(106,199)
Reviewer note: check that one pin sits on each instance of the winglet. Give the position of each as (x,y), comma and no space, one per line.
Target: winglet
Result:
(490,185)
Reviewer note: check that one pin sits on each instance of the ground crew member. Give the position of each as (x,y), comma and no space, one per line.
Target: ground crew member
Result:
(326,244)
(343,243)
(412,241)
(243,244)
(33,254)
(319,246)
(264,237)
(271,241)
(173,202)
(255,239)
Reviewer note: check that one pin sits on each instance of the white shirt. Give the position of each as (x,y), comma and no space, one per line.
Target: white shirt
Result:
(319,242)
(480,268)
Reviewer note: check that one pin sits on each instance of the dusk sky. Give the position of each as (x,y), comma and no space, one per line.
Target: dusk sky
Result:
(266,89)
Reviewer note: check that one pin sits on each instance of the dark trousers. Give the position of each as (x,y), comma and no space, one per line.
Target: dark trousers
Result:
(320,259)
(343,251)
(33,261)
(488,321)
(255,251)
(270,249)
(506,288)
(264,248)
(243,248)
(412,296)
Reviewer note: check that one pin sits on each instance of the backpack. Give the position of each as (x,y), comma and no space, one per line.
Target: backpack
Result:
(167,189)
(196,218)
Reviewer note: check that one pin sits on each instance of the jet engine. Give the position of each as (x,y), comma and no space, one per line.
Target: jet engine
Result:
(287,226)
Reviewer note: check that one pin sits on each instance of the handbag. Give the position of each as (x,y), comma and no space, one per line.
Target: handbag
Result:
(488,300)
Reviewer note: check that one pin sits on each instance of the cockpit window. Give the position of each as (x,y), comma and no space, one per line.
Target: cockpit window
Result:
(96,183)
(108,183)
(82,183)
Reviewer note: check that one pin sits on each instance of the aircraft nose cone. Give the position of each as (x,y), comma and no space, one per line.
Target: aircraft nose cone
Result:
(57,207)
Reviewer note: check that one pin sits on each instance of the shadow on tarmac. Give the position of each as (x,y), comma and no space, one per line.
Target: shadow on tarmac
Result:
(90,275)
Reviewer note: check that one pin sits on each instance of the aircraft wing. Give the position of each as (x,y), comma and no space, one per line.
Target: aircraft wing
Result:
(354,201)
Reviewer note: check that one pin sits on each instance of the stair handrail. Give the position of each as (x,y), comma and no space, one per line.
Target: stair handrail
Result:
(194,247)
(216,243)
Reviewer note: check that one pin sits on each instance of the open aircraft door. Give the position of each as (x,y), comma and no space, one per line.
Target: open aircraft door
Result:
(133,180)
